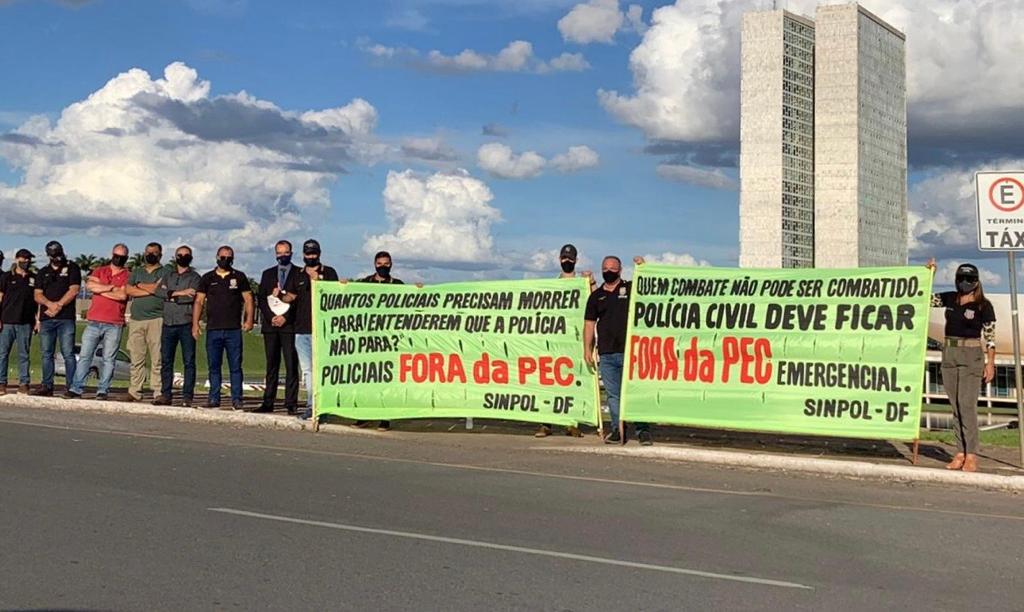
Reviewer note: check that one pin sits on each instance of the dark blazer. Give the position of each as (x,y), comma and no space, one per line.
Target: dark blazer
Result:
(267,284)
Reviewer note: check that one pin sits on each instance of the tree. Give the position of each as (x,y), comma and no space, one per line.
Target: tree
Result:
(87,262)
(137,260)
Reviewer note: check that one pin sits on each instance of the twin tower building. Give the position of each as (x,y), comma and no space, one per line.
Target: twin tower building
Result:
(823,140)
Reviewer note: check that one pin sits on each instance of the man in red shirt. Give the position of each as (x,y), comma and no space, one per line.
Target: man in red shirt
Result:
(106,322)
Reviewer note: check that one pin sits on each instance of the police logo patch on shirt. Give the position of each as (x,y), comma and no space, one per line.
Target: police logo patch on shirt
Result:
(622,292)
(64,271)
(969,314)
(31,282)
(234,284)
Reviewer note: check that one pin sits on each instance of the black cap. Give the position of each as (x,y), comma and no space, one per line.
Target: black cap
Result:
(967,270)
(54,248)
(310,246)
(567,252)
(24,254)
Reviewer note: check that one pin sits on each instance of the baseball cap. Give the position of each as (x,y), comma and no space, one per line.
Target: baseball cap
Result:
(310,246)
(54,248)
(568,251)
(24,254)
(967,270)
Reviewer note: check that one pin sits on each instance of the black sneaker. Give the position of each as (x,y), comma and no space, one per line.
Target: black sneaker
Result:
(260,408)
(384,426)
(186,403)
(162,401)
(42,392)
(69,394)
(361,424)
(213,405)
(292,410)
(645,437)
(613,438)
(102,397)
(237,405)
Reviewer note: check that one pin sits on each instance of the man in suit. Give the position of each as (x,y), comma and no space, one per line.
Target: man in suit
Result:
(277,317)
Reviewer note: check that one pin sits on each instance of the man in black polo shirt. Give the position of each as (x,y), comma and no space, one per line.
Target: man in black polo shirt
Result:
(279,329)
(607,315)
(229,309)
(57,287)
(17,317)
(301,298)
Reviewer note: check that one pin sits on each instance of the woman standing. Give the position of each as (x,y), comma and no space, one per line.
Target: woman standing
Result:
(968,357)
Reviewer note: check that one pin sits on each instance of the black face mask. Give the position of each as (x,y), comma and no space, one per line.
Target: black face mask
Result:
(568,266)
(58,260)
(966,286)
(224,263)
(311,262)
(119,260)
(24,265)
(183,260)
(152,259)
(610,276)
(284,260)
(384,271)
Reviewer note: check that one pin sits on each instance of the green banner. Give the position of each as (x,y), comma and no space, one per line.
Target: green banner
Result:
(804,351)
(497,350)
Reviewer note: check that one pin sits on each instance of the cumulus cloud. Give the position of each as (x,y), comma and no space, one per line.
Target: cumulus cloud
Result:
(491,129)
(712,178)
(575,159)
(599,21)
(517,56)
(676,259)
(162,153)
(439,219)
(428,149)
(946,274)
(686,74)
(499,161)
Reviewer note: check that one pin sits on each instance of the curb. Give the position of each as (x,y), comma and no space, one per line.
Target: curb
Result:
(831,467)
(278,422)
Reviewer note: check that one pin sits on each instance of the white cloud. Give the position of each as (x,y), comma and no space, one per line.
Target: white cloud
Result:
(598,21)
(432,149)
(946,274)
(517,56)
(713,178)
(686,69)
(676,259)
(499,160)
(162,153)
(575,159)
(443,218)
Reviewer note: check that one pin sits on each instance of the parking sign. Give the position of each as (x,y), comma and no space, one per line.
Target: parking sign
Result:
(1000,210)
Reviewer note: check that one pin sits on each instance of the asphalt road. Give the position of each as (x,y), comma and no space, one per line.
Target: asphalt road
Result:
(100,512)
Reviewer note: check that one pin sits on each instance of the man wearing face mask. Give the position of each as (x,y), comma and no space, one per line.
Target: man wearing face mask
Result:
(106,322)
(146,324)
(607,315)
(279,329)
(178,289)
(229,313)
(567,258)
(381,274)
(17,317)
(57,286)
(299,295)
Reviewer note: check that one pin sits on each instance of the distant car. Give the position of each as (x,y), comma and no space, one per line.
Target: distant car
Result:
(122,364)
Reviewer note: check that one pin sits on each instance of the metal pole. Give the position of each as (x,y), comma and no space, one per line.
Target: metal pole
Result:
(1016,350)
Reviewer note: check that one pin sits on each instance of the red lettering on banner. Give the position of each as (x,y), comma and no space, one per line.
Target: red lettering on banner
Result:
(653,358)
(751,355)
(435,367)
(549,370)
(698,364)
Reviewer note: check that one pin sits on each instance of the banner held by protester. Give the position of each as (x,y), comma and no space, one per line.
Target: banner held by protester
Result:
(500,350)
(812,351)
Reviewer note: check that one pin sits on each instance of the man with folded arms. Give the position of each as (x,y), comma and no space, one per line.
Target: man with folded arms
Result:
(178,291)
(57,286)
(146,324)
(17,317)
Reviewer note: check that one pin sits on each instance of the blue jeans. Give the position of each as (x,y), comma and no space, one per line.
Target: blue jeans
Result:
(15,334)
(610,365)
(51,332)
(217,342)
(108,336)
(170,337)
(304,349)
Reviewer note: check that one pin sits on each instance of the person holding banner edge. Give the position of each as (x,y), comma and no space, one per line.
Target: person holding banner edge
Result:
(968,357)
(607,316)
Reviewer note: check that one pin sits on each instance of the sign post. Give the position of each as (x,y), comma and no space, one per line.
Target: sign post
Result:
(1001,228)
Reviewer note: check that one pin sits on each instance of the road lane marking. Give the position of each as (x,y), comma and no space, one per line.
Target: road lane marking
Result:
(593,479)
(517,549)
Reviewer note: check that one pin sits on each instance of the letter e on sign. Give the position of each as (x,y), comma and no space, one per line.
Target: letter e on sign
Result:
(1000,198)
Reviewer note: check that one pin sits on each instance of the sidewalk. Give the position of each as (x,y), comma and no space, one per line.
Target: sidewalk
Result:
(830,457)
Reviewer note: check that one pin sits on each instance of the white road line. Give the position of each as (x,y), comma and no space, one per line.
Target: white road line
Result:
(517,549)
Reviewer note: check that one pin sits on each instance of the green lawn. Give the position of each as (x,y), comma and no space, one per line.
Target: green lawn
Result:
(252,358)
(997,437)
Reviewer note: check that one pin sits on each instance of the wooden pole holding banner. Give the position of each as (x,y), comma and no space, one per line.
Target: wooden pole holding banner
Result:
(1011,258)
(310,396)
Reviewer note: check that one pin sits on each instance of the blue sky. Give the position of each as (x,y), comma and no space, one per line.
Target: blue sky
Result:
(312,56)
